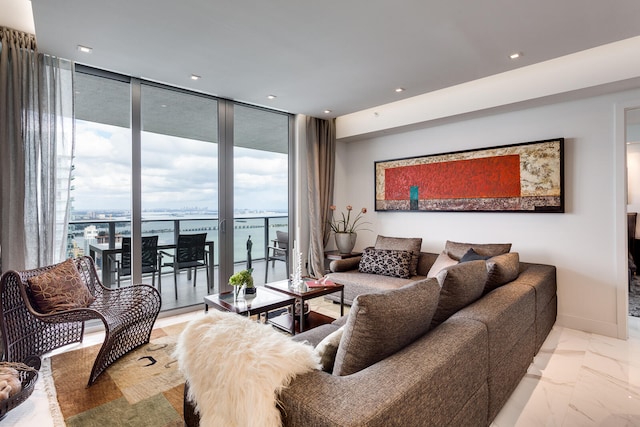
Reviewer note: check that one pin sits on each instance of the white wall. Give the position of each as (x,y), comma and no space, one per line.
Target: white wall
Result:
(581,243)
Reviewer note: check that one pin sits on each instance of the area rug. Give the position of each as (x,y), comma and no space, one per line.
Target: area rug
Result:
(634,297)
(143,388)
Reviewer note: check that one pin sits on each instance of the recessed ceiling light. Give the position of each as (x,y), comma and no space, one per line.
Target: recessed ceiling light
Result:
(515,55)
(327,111)
(271,96)
(85,49)
(400,89)
(195,77)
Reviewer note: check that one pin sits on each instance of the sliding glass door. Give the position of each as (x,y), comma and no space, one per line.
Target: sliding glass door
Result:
(153,160)
(179,181)
(260,188)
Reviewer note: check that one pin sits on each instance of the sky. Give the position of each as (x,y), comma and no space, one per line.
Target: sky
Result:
(177,173)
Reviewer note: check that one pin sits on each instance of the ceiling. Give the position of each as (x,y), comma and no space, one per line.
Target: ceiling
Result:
(343,56)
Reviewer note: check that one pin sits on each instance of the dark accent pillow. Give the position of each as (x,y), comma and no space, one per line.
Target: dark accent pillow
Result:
(60,288)
(386,262)
(411,244)
(381,324)
(457,250)
(502,269)
(472,255)
(461,284)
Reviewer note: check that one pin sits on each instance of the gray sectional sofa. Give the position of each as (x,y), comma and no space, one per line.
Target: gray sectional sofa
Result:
(429,364)
(460,373)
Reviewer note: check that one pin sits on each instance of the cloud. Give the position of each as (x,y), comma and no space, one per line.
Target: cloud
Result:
(176,172)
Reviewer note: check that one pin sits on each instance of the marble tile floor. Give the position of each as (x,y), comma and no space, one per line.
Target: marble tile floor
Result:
(577,379)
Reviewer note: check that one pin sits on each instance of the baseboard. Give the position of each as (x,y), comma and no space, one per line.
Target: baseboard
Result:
(588,325)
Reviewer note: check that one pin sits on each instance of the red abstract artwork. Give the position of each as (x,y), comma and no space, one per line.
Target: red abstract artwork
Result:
(521,178)
(486,177)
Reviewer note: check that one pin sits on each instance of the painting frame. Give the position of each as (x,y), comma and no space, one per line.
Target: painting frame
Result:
(522,177)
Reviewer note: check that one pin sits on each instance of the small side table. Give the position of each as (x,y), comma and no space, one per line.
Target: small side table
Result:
(332,255)
(283,287)
(265,300)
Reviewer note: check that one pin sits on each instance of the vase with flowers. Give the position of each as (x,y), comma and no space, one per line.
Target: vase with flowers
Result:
(345,228)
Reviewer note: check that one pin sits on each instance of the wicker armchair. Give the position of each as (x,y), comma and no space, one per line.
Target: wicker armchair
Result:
(128,315)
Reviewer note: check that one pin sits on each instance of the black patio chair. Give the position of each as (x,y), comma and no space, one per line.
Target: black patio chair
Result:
(190,254)
(149,258)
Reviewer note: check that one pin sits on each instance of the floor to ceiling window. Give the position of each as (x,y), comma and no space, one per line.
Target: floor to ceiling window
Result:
(260,185)
(176,182)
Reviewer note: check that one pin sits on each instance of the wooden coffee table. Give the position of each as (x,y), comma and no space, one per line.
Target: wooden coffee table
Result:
(283,287)
(265,300)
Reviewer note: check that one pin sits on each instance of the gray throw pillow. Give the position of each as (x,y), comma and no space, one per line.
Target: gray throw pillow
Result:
(502,269)
(411,244)
(386,262)
(461,284)
(381,324)
(456,250)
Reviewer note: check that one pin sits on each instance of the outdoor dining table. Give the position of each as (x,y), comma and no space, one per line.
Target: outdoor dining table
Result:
(108,254)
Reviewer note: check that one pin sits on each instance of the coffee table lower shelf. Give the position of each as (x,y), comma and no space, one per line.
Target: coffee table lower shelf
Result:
(313,320)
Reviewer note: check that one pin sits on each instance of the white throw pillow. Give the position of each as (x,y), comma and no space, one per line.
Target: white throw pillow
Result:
(327,349)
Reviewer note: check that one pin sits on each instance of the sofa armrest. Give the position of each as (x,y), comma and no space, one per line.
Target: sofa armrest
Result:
(346,264)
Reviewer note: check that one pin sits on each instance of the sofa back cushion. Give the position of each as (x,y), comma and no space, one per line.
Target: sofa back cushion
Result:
(502,269)
(456,250)
(462,284)
(386,262)
(411,244)
(381,324)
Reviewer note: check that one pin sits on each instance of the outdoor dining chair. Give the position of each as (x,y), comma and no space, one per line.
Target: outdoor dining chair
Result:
(149,258)
(190,254)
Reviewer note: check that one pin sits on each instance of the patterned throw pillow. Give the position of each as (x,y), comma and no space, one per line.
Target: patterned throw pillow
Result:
(411,244)
(59,289)
(386,262)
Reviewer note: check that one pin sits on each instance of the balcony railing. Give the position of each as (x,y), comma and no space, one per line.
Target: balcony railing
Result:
(260,230)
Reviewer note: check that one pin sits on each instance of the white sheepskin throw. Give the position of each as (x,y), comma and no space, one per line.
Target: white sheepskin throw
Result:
(236,367)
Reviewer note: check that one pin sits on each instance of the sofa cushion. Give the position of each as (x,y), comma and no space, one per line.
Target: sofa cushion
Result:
(501,270)
(380,324)
(386,262)
(328,348)
(441,262)
(60,288)
(462,284)
(411,244)
(456,250)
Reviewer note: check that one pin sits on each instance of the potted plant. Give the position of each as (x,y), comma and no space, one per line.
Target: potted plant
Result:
(345,229)
(243,278)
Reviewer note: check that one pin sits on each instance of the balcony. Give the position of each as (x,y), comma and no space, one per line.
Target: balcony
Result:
(109,232)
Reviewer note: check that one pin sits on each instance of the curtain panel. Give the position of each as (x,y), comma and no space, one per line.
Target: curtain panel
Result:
(36,151)
(321,152)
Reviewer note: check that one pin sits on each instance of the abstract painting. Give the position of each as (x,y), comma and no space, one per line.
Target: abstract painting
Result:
(526,177)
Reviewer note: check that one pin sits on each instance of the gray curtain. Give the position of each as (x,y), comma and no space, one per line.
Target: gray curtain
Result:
(36,149)
(321,151)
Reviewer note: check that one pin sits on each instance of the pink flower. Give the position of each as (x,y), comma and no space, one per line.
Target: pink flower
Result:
(345,225)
